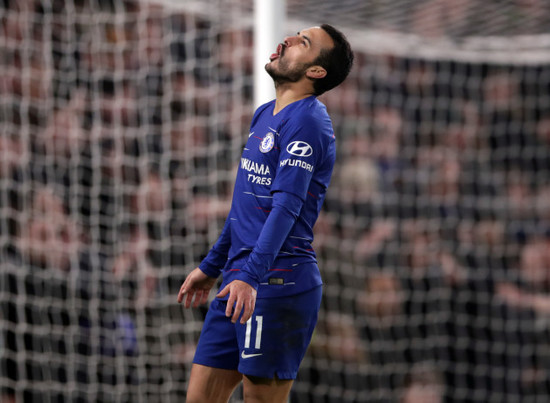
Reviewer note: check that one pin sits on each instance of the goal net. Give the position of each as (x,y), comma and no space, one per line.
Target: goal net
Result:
(121,124)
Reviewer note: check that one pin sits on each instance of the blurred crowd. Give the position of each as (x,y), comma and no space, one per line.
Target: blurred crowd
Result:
(121,126)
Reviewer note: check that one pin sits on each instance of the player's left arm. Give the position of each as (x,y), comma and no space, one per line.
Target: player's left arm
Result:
(242,291)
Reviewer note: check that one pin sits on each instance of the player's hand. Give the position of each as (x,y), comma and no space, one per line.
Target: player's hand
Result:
(243,296)
(196,285)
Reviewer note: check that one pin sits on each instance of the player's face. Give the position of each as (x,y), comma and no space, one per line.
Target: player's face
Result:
(297,53)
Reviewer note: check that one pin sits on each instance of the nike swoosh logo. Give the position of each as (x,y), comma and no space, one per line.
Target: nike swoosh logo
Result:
(245,356)
(250,134)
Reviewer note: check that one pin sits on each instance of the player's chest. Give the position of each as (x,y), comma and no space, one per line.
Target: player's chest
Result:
(263,143)
(260,155)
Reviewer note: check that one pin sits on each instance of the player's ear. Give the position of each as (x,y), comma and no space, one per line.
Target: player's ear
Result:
(316,72)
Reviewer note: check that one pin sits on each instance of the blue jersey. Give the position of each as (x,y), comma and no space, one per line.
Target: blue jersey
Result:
(281,183)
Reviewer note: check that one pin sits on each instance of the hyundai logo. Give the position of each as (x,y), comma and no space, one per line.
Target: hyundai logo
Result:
(299,149)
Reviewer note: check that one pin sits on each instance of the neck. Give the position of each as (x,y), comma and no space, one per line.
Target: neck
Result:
(287,94)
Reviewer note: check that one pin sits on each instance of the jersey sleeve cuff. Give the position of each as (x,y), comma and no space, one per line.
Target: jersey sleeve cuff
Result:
(209,270)
(243,276)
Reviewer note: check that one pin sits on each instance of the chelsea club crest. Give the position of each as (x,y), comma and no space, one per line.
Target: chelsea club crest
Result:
(267,142)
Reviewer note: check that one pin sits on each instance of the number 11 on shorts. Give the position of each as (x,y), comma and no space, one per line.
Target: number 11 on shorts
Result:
(258,341)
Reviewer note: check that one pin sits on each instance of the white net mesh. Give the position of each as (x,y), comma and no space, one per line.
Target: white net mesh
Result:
(121,125)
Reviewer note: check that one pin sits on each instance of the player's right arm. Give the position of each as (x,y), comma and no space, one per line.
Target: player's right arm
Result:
(214,262)
(197,285)
(199,282)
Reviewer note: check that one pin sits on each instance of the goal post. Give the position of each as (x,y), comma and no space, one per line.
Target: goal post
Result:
(269,29)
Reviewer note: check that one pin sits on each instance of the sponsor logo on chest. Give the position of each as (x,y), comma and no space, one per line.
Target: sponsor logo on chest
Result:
(259,174)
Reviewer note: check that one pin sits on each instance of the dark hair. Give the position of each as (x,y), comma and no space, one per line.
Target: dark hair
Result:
(337,61)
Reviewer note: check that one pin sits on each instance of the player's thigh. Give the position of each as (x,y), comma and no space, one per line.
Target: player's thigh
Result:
(215,385)
(274,341)
(257,389)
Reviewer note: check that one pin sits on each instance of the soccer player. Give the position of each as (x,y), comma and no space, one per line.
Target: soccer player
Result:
(259,326)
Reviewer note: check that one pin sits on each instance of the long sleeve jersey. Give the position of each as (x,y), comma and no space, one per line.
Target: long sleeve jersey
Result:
(281,183)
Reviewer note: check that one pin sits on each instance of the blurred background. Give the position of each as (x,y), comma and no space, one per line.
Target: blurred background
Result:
(121,126)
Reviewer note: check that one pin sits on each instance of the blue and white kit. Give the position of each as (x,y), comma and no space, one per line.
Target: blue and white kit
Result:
(281,183)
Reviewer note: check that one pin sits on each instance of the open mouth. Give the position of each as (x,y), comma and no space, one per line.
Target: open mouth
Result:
(278,53)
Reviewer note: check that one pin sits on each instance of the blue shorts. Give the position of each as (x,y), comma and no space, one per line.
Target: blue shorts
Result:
(272,343)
